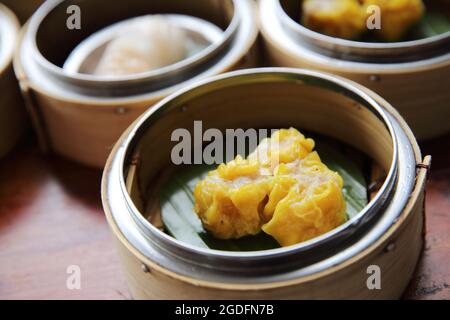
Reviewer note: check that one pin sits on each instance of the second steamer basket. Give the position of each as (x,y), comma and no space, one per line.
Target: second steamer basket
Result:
(412,75)
(80,116)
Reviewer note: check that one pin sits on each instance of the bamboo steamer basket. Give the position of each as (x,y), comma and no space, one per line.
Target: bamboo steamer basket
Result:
(81,116)
(12,114)
(387,233)
(410,75)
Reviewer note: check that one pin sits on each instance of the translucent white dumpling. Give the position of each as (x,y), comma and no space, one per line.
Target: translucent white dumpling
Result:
(144,45)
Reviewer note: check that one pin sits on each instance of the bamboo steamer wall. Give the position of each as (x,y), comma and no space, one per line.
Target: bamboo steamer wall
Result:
(12,114)
(85,130)
(396,252)
(420,95)
(418,90)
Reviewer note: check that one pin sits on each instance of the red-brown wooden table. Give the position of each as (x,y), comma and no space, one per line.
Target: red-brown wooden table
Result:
(51,217)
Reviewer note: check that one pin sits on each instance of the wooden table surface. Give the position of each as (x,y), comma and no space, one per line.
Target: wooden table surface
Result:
(51,218)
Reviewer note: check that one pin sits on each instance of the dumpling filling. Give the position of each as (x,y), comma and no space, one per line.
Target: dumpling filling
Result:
(282,189)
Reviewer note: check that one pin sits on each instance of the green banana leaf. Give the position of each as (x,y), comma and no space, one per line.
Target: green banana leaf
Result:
(432,24)
(181,222)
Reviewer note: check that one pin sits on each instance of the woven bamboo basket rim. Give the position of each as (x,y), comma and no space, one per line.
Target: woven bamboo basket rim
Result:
(246,42)
(393,229)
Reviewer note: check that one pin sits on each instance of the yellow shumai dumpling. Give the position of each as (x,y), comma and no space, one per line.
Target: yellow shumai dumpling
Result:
(229,199)
(338,18)
(283,146)
(283,189)
(397,16)
(313,205)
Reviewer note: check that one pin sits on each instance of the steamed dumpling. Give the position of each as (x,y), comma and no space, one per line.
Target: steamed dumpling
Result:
(292,196)
(337,18)
(308,201)
(397,16)
(348,18)
(143,46)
